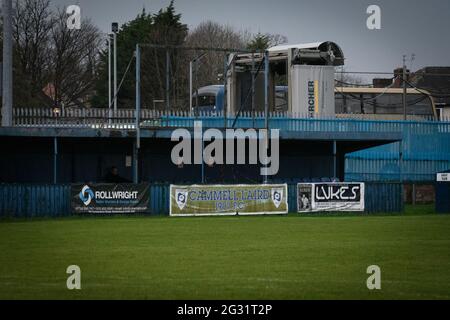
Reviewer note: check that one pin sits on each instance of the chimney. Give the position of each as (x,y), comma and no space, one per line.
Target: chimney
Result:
(398,74)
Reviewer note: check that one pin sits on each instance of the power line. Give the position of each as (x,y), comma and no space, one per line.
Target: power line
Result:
(388,105)
(391,73)
(123,78)
(427,92)
(363,72)
(377,96)
(354,84)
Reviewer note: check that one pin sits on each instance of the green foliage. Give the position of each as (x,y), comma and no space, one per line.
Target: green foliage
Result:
(135,31)
(164,28)
(259,42)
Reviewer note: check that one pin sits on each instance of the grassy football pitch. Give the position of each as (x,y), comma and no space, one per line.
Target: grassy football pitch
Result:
(265,257)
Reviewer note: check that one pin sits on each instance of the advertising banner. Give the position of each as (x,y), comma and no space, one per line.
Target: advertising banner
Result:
(242,199)
(330,196)
(109,198)
(443,177)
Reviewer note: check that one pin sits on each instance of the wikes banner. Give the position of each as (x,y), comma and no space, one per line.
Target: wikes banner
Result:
(332,196)
(109,198)
(244,199)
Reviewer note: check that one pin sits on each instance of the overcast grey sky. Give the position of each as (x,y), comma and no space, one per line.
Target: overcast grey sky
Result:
(407,26)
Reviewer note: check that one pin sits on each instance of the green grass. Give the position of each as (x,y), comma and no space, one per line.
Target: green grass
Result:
(287,257)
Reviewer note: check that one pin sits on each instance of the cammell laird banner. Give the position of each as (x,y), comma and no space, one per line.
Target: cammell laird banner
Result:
(245,199)
(332,196)
(109,198)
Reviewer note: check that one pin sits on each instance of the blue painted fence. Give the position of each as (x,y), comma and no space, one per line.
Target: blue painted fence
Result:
(289,124)
(32,201)
(425,149)
(159,198)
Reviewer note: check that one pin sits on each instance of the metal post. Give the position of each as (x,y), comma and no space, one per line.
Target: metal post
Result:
(7,65)
(115,72)
(400,166)
(167,80)
(266,101)
(334,159)
(109,79)
(135,162)
(190,86)
(266,89)
(203,160)
(55,160)
(253,89)
(225,83)
(137,114)
(196,84)
(404,88)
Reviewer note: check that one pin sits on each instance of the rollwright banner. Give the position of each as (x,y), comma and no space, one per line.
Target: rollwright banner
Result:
(332,196)
(243,199)
(109,198)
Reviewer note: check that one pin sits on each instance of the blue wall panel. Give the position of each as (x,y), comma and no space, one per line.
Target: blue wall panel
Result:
(32,200)
(425,148)
(383,197)
(159,198)
(29,201)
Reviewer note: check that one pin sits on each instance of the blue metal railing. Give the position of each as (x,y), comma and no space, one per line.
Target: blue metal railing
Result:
(289,124)
(125,119)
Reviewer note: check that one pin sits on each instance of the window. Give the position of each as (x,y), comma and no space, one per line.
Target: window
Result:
(352,103)
(204,101)
(340,103)
(387,103)
(369,103)
(281,100)
(417,104)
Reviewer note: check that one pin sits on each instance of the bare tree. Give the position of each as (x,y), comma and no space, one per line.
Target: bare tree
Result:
(276,39)
(74,58)
(344,79)
(213,35)
(264,41)
(32,22)
(53,62)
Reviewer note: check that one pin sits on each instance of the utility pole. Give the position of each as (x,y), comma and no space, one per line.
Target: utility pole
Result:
(137,144)
(109,78)
(253,88)
(190,86)
(404,88)
(7,95)
(115,29)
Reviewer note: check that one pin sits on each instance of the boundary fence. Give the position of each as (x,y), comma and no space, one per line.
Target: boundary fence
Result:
(53,200)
